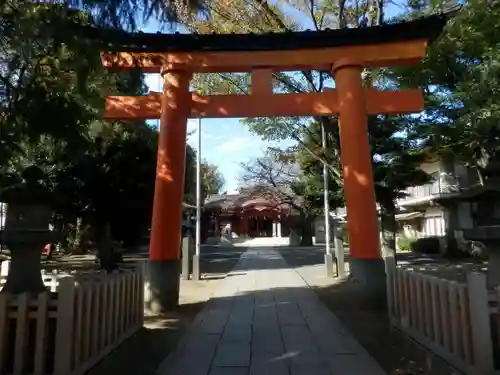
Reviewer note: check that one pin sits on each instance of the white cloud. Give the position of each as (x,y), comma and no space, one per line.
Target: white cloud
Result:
(233,145)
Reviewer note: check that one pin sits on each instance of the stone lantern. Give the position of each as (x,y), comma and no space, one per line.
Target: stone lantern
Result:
(26,231)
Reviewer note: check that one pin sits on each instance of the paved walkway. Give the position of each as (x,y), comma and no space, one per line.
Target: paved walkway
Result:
(264,320)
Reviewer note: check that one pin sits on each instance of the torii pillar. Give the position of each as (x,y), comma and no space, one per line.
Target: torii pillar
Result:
(366,264)
(165,241)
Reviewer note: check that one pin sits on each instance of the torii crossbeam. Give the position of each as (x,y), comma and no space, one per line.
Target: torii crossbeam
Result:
(345,53)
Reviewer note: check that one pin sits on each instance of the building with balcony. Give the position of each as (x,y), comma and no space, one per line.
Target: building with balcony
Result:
(436,208)
(422,212)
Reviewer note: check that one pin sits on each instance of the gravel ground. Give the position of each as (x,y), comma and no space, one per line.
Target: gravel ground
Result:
(450,269)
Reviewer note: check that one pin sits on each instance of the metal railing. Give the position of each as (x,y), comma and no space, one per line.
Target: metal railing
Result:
(443,184)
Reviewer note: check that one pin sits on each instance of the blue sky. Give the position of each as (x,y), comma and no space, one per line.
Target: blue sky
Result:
(227,142)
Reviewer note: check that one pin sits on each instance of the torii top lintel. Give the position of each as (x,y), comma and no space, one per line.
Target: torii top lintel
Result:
(387,45)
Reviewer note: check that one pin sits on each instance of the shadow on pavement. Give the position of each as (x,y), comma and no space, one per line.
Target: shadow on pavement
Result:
(396,353)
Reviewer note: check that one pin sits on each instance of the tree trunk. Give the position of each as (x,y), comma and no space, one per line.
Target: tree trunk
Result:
(306,231)
(480,176)
(77,247)
(108,258)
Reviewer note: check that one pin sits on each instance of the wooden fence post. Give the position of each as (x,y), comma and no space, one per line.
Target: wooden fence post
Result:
(142,271)
(4,309)
(64,329)
(482,345)
(42,315)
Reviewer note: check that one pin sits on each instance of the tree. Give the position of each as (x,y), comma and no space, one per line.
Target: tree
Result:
(213,179)
(190,176)
(462,87)
(258,16)
(396,159)
(128,14)
(52,89)
(280,181)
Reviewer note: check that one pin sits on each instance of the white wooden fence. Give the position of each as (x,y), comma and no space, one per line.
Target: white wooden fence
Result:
(451,319)
(68,331)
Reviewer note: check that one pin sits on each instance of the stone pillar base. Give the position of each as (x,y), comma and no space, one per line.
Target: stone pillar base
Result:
(196,267)
(329,261)
(162,286)
(186,258)
(369,275)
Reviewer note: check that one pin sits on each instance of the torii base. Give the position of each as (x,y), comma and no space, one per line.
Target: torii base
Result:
(370,277)
(162,286)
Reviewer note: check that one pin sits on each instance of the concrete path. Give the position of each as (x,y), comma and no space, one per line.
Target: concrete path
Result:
(264,320)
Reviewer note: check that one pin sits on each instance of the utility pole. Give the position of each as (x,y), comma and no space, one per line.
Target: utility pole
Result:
(196,256)
(328,252)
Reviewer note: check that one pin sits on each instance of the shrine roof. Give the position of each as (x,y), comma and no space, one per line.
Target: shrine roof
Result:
(241,201)
(428,28)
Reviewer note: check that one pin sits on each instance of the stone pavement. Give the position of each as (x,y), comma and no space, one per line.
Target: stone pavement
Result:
(263,319)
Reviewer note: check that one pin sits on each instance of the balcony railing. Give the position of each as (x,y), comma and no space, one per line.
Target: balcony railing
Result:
(445,184)
(442,185)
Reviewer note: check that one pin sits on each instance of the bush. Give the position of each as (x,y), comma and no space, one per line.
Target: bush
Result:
(476,250)
(344,233)
(426,245)
(403,243)
(473,249)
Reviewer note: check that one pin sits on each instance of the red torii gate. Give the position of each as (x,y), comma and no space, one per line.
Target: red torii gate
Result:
(345,53)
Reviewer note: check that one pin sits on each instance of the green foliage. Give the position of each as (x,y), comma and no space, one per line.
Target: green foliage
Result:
(404,242)
(344,234)
(76,238)
(309,156)
(461,80)
(213,179)
(52,90)
(190,176)
(129,13)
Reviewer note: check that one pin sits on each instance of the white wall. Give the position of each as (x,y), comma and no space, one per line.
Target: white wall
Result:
(433,222)
(431,167)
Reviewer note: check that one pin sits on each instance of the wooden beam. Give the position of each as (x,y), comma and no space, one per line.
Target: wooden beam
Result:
(262,82)
(224,106)
(372,55)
